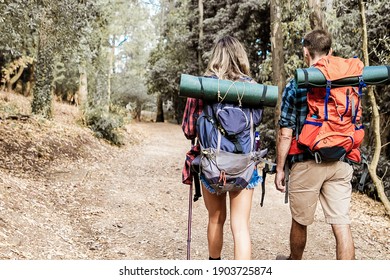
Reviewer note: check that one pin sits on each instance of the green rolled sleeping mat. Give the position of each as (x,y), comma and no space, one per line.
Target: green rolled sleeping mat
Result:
(251,94)
(372,75)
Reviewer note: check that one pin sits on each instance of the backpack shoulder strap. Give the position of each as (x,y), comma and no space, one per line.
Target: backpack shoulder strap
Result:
(198,193)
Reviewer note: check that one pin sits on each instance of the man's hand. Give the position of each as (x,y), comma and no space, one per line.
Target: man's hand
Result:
(285,137)
(280,181)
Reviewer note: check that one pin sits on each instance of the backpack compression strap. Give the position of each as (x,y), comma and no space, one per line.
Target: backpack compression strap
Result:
(201,88)
(262,99)
(196,180)
(360,93)
(328,87)
(354,109)
(306,77)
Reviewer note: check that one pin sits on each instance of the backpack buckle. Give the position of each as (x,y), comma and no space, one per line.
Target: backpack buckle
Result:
(317,157)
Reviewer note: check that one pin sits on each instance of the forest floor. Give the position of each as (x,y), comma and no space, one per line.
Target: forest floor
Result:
(66,195)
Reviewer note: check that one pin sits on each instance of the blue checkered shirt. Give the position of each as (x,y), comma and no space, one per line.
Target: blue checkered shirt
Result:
(293,113)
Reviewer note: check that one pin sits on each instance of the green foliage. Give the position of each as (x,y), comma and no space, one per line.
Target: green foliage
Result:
(128,88)
(175,53)
(61,25)
(345,25)
(42,101)
(179,47)
(248,21)
(122,36)
(105,125)
(18,27)
(378,25)
(66,78)
(6,109)
(134,36)
(294,27)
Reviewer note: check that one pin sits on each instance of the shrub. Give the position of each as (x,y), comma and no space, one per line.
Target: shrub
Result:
(106,125)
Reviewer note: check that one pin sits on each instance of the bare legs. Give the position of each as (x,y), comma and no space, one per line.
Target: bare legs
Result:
(345,249)
(216,206)
(240,206)
(298,236)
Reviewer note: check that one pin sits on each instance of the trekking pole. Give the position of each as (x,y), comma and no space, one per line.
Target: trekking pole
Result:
(286,176)
(189,224)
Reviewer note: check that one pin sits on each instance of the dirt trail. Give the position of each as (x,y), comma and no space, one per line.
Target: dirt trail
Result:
(129,203)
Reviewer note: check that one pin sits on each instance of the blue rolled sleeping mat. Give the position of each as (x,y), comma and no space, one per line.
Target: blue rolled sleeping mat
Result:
(372,75)
(250,94)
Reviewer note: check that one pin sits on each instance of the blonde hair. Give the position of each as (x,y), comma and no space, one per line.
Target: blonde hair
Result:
(228,60)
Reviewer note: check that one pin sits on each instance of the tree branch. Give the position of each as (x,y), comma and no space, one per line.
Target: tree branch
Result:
(376,120)
(385,144)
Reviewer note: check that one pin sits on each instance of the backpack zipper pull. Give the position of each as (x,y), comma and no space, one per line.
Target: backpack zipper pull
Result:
(257,140)
(222,178)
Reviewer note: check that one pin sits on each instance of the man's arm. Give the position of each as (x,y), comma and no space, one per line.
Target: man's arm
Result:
(284,143)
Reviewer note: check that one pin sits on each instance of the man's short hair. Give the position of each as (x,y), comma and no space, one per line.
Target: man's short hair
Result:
(318,42)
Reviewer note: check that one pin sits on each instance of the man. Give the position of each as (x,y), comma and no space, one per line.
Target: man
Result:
(309,181)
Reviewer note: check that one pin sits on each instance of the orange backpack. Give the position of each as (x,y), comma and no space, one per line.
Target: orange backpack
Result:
(333,129)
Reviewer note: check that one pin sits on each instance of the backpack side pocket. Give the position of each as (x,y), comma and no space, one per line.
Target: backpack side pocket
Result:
(309,132)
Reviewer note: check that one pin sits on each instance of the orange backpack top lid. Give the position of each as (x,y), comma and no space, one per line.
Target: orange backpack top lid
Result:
(335,68)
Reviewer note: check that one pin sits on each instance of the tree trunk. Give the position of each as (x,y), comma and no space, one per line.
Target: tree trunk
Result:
(138,110)
(375,118)
(30,80)
(111,68)
(317,20)
(160,110)
(42,99)
(200,42)
(14,79)
(83,87)
(278,73)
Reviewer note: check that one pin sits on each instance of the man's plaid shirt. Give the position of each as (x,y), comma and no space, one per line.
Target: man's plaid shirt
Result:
(293,113)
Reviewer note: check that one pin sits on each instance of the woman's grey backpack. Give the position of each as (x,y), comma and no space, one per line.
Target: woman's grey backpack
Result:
(229,155)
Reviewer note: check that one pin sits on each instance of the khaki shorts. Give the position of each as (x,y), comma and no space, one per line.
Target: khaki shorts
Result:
(329,182)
